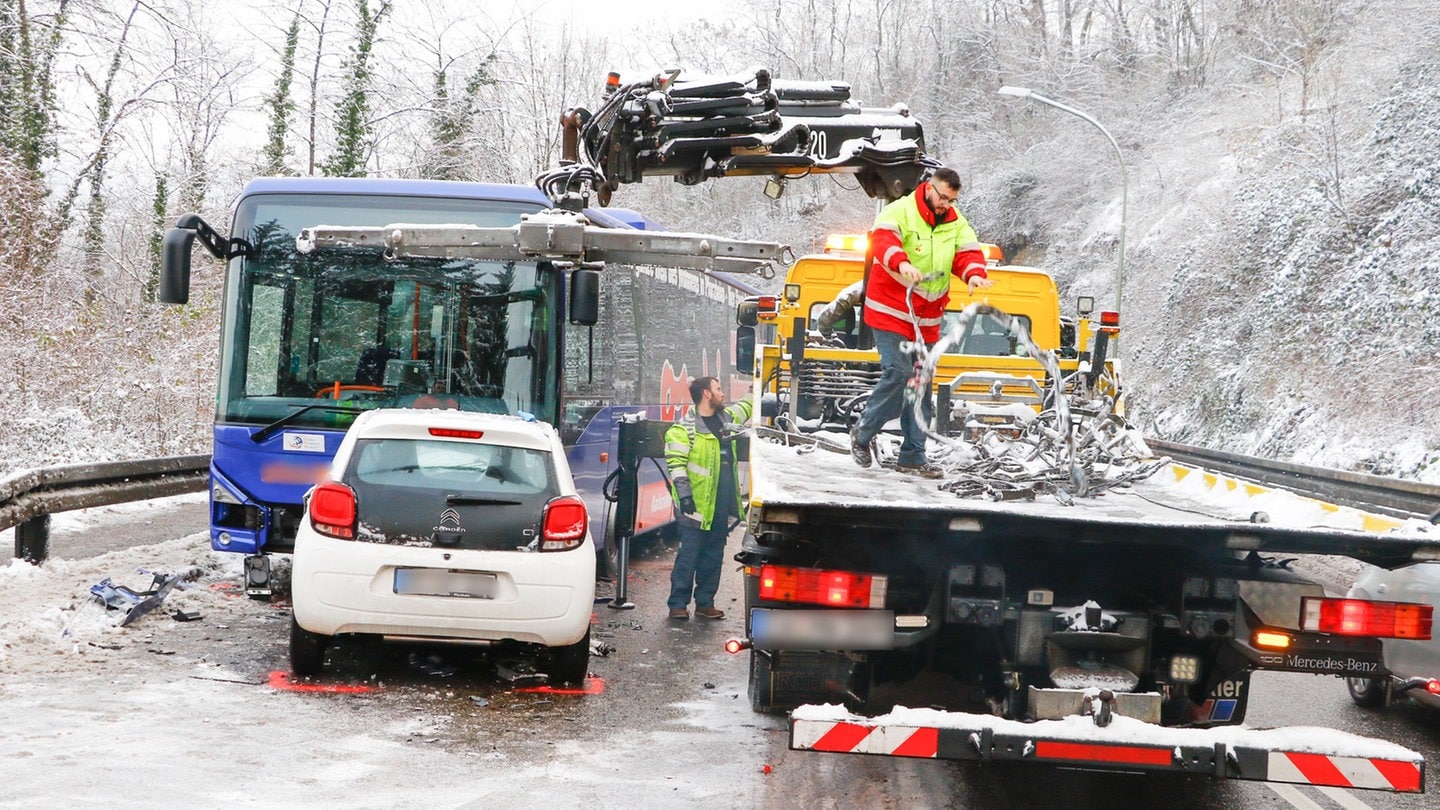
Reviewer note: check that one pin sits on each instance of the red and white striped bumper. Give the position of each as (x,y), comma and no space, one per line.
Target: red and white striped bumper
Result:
(1333,758)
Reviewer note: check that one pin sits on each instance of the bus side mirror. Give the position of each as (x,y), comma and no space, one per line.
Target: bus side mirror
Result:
(175,255)
(584,297)
(747,313)
(745,349)
(175,266)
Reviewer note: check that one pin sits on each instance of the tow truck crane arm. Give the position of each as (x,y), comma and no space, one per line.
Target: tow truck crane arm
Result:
(694,130)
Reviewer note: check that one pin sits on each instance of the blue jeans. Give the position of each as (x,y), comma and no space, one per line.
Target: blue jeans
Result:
(889,397)
(697,563)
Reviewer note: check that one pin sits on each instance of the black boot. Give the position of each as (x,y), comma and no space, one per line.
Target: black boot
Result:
(864,454)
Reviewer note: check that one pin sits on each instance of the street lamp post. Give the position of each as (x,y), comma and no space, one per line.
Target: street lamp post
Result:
(1025,92)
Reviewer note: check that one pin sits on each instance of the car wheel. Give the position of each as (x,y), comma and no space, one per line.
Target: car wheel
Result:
(571,663)
(307,650)
(1367,693)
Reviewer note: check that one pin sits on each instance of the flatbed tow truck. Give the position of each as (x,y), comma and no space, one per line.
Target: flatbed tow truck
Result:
(1084,603)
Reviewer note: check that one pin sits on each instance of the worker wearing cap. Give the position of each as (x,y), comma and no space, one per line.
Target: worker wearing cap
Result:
(917,243)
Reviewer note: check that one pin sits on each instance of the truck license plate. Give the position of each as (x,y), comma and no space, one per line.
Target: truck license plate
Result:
(822,629)
(440,582)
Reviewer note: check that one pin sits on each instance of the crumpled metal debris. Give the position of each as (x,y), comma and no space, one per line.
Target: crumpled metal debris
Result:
(138,603)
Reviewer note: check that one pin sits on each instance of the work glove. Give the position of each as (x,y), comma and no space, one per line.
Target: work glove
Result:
(685,495)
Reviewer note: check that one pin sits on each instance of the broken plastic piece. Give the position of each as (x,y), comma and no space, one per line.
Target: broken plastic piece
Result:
(186,615)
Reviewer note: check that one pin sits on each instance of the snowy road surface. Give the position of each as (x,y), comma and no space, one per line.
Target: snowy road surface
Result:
(202,714)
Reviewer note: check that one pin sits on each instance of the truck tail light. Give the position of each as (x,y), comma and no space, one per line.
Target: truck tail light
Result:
(332,510)
(566,521)
(1271,640)
(848,589)
(769,307)
(1359,617)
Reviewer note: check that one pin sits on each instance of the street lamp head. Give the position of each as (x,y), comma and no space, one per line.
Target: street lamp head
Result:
(1018,92)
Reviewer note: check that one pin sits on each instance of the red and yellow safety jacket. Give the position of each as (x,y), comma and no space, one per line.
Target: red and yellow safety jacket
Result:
(906,230)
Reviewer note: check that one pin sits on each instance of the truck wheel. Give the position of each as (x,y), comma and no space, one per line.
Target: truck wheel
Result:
(1368,693)
(571,663)
(762,684)
(307,650)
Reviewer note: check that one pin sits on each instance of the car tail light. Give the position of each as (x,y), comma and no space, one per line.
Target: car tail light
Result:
(814,586)
(566,521)
(456,433)
(1359,617)
(332,510)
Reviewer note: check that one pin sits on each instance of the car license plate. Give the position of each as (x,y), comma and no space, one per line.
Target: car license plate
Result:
(442,582)
(822,629)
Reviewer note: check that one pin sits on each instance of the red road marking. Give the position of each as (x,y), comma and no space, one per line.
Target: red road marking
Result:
(593,686)
(280,679)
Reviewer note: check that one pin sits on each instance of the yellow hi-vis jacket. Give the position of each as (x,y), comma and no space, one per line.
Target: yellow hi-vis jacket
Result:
(692,454)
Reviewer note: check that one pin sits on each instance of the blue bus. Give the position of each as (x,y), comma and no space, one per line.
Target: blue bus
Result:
(308,340)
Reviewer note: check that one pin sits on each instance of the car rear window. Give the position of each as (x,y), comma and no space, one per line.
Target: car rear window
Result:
(462,493)
(448,464)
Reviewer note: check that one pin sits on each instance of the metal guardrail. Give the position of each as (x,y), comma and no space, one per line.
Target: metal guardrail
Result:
(29,497)
(1375,493)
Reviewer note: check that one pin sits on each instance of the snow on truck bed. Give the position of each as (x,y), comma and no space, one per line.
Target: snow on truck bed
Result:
(1176,497)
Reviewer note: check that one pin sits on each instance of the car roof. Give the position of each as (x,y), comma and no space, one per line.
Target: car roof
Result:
(413,424)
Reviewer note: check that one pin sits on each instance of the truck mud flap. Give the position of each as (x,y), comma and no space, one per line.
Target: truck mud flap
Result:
(1329,758)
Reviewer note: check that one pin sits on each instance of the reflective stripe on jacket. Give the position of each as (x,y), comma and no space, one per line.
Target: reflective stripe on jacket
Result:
(692,453)
(905,231)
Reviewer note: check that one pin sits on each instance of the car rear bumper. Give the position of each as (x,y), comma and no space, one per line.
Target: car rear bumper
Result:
(341,587)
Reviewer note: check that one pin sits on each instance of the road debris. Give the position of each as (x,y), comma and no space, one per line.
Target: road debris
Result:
(138,603)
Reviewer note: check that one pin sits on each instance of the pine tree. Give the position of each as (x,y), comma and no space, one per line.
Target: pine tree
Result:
(157,237)
(281,104)
(352,124)
(453,123)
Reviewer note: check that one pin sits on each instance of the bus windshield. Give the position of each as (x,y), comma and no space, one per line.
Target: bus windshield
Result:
(347,330)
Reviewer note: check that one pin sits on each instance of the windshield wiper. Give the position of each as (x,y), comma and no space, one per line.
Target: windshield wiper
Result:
(269,430)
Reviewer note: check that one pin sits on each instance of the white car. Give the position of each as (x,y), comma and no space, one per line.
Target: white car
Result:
(446,526)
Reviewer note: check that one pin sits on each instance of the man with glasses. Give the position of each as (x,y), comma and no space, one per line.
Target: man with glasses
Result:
(917,243)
